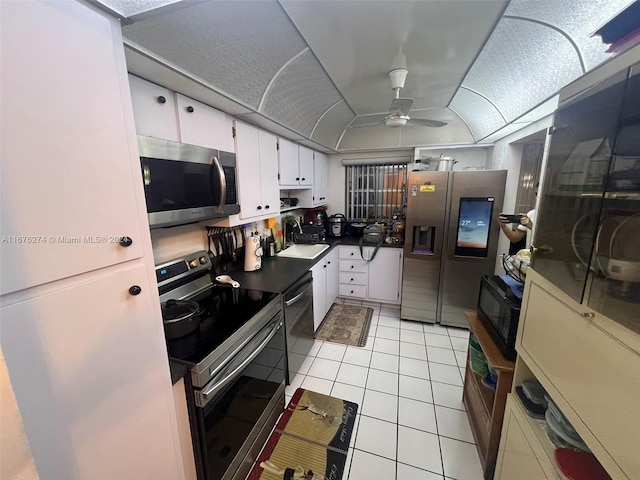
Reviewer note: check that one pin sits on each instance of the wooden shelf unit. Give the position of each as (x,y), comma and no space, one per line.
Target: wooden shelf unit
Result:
(485,407)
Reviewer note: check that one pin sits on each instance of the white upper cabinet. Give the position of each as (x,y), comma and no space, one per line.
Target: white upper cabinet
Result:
(65,149)
(295,165)
(305,166)
(257,160)
(320,179)
(154,110)
(162,113)
(202,125)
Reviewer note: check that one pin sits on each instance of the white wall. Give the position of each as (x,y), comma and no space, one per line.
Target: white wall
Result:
(507,155)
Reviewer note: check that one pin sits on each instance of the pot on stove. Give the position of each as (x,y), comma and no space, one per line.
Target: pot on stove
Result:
(180,318)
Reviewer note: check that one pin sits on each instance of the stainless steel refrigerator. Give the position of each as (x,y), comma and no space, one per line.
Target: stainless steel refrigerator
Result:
(451,239)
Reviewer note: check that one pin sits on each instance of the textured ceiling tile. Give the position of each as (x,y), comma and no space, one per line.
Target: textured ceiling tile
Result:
(451,134)
(300,94)
(481,116)
(330,127)
(513,75)
(577,18)
(127,8)
(372,137)
(235,46)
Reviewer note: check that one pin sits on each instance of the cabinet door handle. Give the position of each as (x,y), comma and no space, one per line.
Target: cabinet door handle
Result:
(126,241)
(259,207)
(329,262)
(266,206)
(352,279)
(587,314)
(190,109)
(351,266)
(303,179)
(162,99)
(324,266)
(352,256)
(297,179)
(351,291)
(135,290)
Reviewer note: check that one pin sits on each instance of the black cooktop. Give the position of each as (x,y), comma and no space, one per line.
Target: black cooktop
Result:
(226,309)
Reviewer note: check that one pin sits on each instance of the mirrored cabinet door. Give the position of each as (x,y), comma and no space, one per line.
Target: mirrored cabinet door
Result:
(580,152)
(614,289)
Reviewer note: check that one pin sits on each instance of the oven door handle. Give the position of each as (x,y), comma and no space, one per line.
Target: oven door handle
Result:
(288,303)
(236,371)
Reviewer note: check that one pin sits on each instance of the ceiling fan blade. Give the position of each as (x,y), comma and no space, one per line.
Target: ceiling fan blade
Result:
(425,122)
(364,125)
(400,106)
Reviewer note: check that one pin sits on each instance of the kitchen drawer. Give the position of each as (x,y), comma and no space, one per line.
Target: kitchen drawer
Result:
(356,291)
(350,253)
(354,278)
(354,266)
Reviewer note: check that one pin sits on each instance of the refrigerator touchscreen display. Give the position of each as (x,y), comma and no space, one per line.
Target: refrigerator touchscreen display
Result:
(473,227)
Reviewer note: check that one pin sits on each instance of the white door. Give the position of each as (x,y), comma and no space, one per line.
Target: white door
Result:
(306,166)
(332,277)
(319,274)
(385,274)
(269,173)
(248,164)
(202,125)
(68,193)
(288,163)
(154,109)
(89,369)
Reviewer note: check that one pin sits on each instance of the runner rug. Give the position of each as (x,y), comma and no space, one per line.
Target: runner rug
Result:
(310,441)
(346,324)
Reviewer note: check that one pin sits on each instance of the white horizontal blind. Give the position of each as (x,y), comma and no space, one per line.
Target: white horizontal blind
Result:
(375,192)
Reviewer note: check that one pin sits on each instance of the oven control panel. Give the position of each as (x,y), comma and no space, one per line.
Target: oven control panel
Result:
(182,267)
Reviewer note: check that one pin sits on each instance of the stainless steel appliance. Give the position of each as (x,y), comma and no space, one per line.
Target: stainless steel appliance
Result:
(451,239)
(237,362)
(298,314)
(337,225)
(186,183)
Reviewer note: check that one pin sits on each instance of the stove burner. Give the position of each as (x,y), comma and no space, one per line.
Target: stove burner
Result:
(226,309)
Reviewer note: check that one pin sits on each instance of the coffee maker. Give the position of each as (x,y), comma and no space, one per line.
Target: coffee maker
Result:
(317,216)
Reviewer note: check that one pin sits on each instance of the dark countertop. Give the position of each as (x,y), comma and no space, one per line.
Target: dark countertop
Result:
(277,274)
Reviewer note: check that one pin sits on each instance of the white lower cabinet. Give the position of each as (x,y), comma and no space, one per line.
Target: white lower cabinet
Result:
(88,365)
(377,280)
(518,458)
(589,366)
(325,286)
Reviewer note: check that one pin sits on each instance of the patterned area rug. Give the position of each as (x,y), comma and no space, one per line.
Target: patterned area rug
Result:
(346,324)
(310,441)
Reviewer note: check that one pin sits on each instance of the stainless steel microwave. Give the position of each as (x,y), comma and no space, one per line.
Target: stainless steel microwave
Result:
(186,183)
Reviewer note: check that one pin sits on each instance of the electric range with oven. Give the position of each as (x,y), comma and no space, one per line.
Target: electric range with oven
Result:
(237,363)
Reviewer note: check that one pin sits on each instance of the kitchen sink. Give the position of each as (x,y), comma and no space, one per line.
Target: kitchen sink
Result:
(307,252)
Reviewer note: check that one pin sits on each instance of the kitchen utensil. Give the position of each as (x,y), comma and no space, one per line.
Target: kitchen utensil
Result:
(357,228)
(442,164)
(252,254)
(579,465)
(180,318)
(227,279)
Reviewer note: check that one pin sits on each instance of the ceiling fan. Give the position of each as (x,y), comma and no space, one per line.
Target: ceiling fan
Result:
(398,115)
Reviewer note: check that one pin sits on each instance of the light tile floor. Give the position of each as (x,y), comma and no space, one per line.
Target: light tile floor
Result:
(407,381)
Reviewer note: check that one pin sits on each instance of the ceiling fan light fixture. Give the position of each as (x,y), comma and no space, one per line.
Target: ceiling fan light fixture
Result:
(397,77)
(396,121)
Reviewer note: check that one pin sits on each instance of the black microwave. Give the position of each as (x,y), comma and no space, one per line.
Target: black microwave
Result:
(499,304)
(186,183)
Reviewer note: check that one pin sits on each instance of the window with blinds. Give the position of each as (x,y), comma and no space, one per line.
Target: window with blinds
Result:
(375,192)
